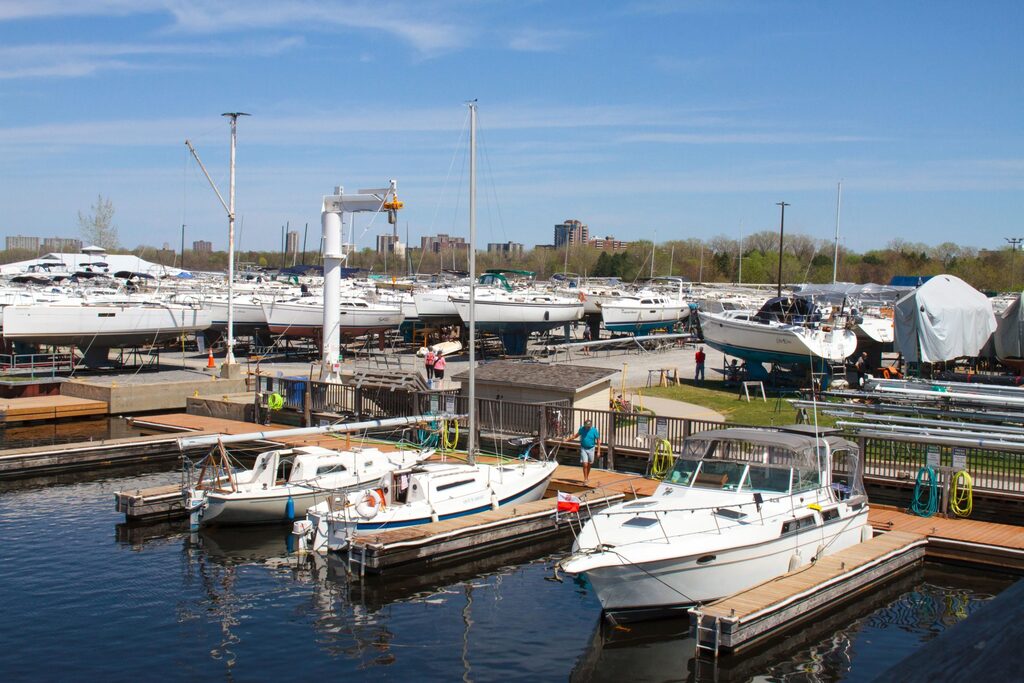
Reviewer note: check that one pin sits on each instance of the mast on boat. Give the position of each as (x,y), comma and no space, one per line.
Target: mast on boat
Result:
(835,256)
(471,440)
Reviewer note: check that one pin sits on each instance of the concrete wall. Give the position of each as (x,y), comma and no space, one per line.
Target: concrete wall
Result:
(234,407)
(142,396)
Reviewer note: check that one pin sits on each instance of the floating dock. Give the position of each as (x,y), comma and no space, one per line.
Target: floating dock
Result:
(483,532)
(743,619)
(43,408)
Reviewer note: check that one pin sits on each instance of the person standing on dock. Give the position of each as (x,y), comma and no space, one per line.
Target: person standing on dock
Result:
(699,357)
(428,362)
(439,365)
(861,366)
(590,441)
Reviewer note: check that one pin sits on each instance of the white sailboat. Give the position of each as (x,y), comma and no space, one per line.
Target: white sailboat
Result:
(303,317)
(739,507)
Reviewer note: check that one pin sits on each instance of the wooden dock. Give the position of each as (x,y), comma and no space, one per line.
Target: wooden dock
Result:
(740,620)
(44,408)
(996,546)
(462,537)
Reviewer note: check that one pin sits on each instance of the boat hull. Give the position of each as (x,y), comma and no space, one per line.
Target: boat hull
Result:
(102,326)
(760,343)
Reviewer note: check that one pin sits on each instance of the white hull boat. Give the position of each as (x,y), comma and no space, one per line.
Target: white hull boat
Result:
(305,317)
(519,312)
(739,507)
(436,304)
(428,492)
(643,314)
(740,334)
(102,325)
(262,495)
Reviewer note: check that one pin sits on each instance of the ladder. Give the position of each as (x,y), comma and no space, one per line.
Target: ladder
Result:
(707,633)
(356,559)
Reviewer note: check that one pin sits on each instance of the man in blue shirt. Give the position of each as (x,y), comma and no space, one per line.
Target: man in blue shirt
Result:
(590,441)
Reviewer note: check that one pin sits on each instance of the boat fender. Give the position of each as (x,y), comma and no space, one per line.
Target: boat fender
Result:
(494,501)
(369,504)
(866,533)
(289,509)
(795,561)
(819,553)
(433,515)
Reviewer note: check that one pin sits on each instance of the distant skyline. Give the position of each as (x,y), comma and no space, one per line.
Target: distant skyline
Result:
(649,119)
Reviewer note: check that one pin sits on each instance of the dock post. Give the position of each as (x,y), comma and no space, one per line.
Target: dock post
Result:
(609,447)
(307,401)
(542,430)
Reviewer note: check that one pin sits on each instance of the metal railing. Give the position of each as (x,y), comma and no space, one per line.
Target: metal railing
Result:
(36,363)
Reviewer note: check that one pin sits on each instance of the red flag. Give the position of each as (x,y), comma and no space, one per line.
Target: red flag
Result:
(568,502)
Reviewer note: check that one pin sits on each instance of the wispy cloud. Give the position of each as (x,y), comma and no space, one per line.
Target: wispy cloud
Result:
(542,40)
(85,59)
(753,138)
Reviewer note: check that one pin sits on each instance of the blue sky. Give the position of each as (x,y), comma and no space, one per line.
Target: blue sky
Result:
(680,119)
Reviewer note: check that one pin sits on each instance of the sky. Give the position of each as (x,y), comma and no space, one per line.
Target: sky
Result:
(645,119)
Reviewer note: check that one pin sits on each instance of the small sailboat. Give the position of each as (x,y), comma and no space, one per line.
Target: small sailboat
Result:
(283,484)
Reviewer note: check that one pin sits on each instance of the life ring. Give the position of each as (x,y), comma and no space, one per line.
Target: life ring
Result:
(582,296)
(275,401)
(371,502)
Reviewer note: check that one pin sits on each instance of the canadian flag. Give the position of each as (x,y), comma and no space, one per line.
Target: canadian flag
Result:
(568,502)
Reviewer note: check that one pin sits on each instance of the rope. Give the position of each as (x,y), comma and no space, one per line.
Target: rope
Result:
(925,506)
(962,499)
(449,434)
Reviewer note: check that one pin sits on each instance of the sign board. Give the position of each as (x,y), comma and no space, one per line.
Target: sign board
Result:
(959,458)
(643,425)
(435,403)
(661,427)
(934,456)
(449,404)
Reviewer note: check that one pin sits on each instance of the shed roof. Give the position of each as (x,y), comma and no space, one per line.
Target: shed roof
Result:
(558,377)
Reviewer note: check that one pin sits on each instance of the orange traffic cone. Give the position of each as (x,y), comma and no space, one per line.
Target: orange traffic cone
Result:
(209,360)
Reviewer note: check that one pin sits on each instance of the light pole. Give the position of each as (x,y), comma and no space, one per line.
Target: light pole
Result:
(1014,243)
(782,232)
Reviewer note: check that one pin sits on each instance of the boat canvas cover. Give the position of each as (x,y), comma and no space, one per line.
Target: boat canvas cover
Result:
(1009,335)
(943,319)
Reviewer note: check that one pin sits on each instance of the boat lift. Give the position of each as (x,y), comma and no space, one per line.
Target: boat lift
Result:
(334,207)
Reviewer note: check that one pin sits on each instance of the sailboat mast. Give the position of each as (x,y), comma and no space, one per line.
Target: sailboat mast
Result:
(471,440)
(835,256)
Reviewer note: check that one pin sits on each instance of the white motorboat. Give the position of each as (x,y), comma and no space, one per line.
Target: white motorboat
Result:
(794,335)
(304,317)
(644,312)
(740,506)
(424,493)
(283,484)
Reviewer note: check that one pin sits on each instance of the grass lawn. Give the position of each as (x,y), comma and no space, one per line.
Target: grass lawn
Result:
(724,400)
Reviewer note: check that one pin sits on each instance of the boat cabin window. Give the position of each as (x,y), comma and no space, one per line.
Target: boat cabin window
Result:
(682,472)
(720,474)
(797,524)
(806,479)
(330,469)
(454,484)
(772,479)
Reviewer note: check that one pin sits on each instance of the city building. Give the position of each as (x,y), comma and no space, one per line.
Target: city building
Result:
(608,243)
(390,244)
(442,244)
(508,249)
(202,246)
(22,242)
(292,242)
(62,244)
(570,232)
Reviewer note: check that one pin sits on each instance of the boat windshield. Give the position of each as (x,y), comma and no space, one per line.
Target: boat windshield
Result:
(732,464)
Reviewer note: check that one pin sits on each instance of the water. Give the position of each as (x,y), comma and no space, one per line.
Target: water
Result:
(86,597)
(85,429)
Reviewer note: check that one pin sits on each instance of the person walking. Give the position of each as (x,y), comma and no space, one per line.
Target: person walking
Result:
(590,441)
(699,357)
(586,338)
(439,365)
(428,363)
(861,366)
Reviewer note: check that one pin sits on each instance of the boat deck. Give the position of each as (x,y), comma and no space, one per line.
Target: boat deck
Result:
(53,407)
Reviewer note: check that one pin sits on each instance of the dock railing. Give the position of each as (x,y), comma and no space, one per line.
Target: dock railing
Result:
(993,470)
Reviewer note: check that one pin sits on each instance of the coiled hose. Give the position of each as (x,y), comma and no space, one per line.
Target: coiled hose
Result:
(961,501)
(663,458)
(926,500)
(449,434)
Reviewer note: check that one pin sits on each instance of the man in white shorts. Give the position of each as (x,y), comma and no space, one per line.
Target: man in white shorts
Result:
(590,441)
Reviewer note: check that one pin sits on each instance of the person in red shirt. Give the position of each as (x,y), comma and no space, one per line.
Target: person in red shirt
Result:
(439,365)
(700,357)
(428,363)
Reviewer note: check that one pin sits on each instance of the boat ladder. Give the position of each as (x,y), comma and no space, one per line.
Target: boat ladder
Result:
(357,559)
(707,633)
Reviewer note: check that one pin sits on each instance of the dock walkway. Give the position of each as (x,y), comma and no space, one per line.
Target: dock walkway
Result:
(52,407)
(749,616)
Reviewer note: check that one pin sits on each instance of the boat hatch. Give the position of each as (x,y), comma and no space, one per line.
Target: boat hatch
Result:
(730,513)
(330,469)
(640,504)
(641,522)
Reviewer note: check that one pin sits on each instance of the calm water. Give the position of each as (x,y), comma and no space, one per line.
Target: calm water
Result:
(87,429)
(86,597)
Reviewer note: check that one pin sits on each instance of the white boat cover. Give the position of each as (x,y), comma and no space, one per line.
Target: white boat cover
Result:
(1009,334)
(943,319)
